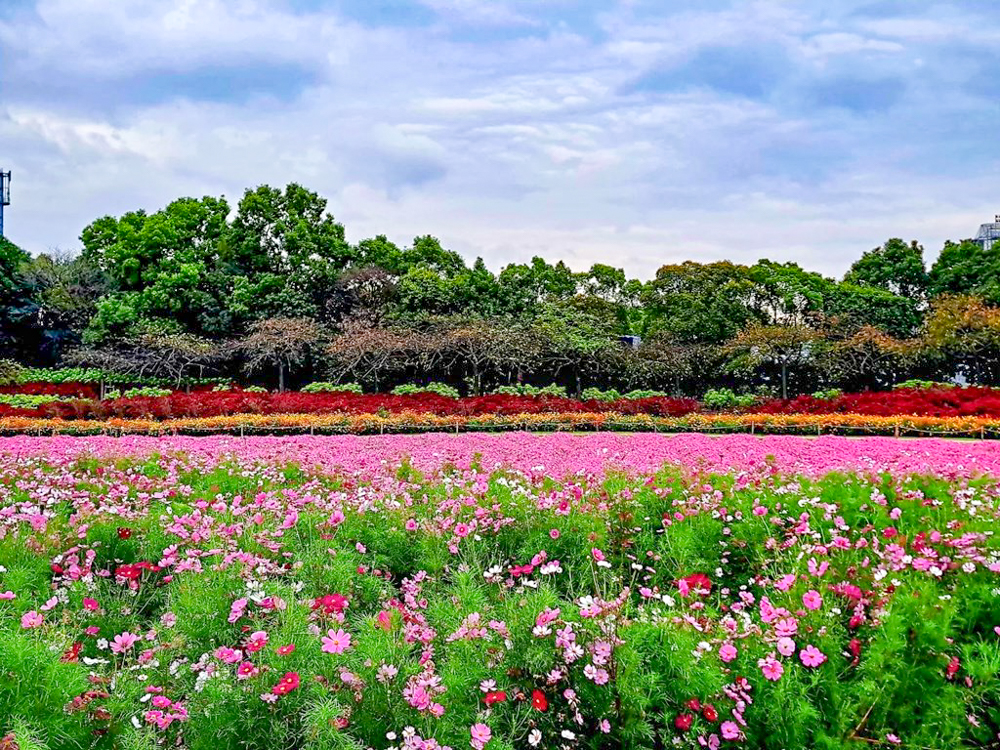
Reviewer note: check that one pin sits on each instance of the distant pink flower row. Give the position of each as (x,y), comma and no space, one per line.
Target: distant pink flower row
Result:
(556,455)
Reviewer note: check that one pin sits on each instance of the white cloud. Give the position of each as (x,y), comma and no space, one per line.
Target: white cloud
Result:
(527,144)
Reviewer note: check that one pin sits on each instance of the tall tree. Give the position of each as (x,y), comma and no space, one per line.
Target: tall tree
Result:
(161,267)
(283,254)
(965,268)
(896,267)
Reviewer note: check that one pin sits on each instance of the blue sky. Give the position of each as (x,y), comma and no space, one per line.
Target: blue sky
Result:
(630,132)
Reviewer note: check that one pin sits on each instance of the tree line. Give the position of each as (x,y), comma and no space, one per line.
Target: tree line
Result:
(272,291)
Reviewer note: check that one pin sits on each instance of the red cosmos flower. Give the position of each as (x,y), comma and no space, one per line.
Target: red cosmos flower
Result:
(128,572)
(287,684)
(286,650)
(124,532)
(709,712)
(696,583)
(538,700)
(952,669)
(693,703)
(684,721)
(855,648)
(496,696)
(72,653)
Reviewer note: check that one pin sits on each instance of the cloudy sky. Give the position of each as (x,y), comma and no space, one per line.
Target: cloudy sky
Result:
(630,132)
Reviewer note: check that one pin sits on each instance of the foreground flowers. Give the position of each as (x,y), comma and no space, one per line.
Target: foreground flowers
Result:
(489,592)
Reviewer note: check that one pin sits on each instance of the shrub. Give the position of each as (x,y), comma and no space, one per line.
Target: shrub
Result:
(596,394)
(725,398)
(143,392)
(828,395)
(916,383)
(523,389)
(440,389)
(10,372)
(322,387)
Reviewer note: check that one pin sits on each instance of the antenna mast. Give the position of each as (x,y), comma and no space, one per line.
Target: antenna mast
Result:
(4,195)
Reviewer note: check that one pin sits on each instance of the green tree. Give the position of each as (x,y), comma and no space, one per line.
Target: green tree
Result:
(699,303)
(785,348)
(161,266)
(895,267)
(282,254)
(18,310)
(965,268)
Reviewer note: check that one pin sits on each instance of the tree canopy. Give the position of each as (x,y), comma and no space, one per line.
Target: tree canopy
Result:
(274,289)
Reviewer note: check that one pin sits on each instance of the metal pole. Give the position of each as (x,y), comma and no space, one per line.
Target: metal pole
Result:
(4,195)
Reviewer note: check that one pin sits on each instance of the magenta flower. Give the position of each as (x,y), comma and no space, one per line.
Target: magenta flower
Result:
(727,652)
(31,620)
(730,730)
(786,646)
(481,734)
(812,600)
(771,668)
(812,656)
(123,642)
(336,641)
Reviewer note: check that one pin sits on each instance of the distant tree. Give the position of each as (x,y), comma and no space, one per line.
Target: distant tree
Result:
(699,303)
(283,343)
(788,348)
(19,325)
(66,290)
(150,354)
(961,336)
(895,267)
(283,254)
(161,267)
(866,358)
(854,307)
(965,268)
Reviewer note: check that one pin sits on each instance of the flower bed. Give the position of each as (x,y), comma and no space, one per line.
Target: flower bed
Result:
(812,424)
(498,592)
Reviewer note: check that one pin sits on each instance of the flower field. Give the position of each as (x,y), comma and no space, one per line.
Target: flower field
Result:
(498,591)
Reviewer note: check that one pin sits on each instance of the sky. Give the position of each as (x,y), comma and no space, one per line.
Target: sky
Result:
(629,132)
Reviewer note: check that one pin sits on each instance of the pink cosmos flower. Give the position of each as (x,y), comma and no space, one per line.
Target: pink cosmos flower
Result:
(6,595)
(123,642)
(786,646)
(812,656)
(481,734)
(730,730)
(462,530)
(285,650)
(771,668)
(336,641)
(727,652)
(812,600)
(554,533)
(246,670)
(90,604)
(31,620)
(228,655)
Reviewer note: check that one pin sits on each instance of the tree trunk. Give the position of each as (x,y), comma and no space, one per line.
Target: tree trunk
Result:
(281,377)
(784,380)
